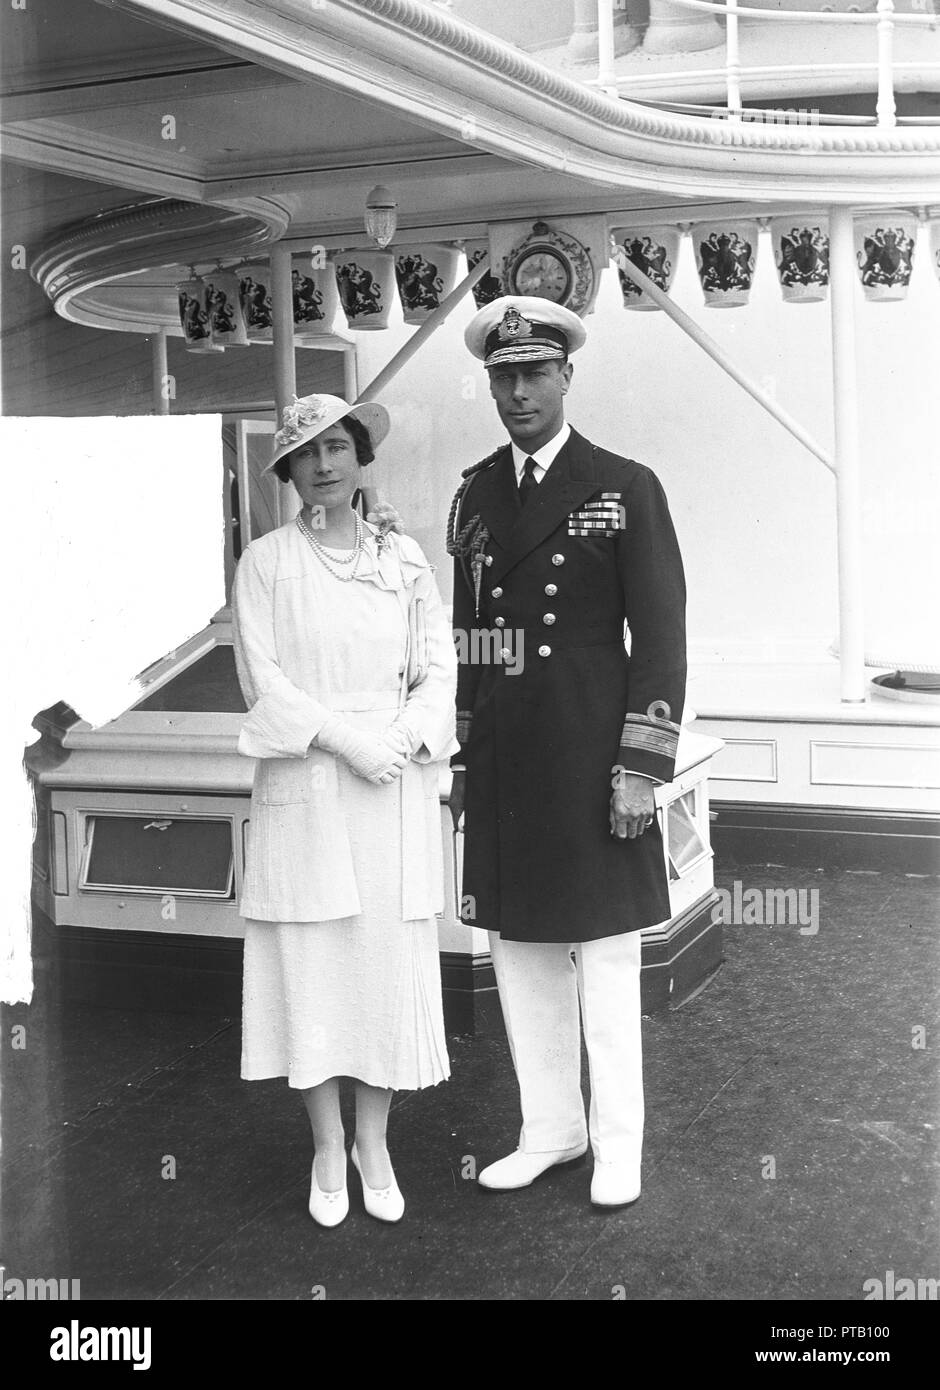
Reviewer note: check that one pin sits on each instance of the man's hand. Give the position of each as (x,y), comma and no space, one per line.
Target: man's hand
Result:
(458,793)
(386,518)
(632,807)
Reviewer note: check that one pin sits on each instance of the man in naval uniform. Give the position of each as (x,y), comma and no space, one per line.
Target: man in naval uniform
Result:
(557,545)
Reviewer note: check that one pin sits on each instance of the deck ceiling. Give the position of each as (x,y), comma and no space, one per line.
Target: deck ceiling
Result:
(88,96)
(287,114)
(293,112)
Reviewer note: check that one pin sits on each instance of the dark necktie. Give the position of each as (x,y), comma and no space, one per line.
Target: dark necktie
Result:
(527,483)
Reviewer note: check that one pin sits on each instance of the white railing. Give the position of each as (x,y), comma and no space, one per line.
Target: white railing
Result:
(886,109)
(732,61)
(883,19)
(788,114)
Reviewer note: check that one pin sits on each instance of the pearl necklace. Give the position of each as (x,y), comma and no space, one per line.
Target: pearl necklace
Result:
(330,562)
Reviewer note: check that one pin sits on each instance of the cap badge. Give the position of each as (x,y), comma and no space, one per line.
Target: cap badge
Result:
(514,326)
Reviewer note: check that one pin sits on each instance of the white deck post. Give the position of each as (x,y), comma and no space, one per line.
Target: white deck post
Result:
(282,303)
(842,271)
(350,373)
(159,373)
(606,76)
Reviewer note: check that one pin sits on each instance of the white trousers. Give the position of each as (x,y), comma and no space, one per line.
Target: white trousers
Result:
(539,987)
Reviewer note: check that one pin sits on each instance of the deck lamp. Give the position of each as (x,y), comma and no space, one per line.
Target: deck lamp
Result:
(381,215)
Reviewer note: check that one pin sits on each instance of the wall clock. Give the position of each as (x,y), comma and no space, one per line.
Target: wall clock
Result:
(551,264)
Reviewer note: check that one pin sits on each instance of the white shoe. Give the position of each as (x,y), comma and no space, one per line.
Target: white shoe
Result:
(615,1184)
(386,1203)
(520,1169)
(327,1208)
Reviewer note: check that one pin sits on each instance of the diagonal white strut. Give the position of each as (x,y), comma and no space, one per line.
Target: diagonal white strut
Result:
(845,399)
(414,343)
(718,354)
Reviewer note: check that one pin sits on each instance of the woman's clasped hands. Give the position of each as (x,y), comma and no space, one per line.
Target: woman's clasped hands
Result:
(377,757)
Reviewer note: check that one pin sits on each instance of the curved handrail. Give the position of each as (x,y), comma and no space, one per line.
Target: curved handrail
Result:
(759,70)
(711,109)
(870,17)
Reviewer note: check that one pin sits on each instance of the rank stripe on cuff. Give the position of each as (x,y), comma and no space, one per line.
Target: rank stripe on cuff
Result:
(650,736)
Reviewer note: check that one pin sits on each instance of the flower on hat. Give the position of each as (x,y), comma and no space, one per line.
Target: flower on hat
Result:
(296,416)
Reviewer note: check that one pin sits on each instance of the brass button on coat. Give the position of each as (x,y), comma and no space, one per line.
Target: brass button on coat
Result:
(548,619)
(505,653)
(551,590)
(558,559)
(497,592)
(487,559)
(500,622)
(545,651)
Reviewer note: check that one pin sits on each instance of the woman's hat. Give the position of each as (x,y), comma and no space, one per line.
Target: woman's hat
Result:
(309,416)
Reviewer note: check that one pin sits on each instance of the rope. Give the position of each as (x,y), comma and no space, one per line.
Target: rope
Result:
(458,544)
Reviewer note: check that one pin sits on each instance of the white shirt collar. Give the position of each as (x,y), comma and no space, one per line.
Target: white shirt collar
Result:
(544,457)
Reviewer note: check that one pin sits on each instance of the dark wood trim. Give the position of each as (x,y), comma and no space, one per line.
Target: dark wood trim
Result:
(824,837)
(682,961)
(163,971)
(170,972)
(471,1002)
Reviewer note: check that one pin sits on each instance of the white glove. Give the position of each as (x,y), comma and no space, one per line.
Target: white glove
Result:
(371,756)
(404,734)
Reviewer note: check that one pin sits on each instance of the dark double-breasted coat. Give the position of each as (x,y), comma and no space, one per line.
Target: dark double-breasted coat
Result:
(548,699)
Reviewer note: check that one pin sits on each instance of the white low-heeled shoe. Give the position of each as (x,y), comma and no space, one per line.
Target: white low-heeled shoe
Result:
(615,1184)
(327,1208)
(385,1203)
(520,1169)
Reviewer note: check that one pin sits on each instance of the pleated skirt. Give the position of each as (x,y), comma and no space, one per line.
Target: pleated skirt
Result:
(357,997)
(348,998)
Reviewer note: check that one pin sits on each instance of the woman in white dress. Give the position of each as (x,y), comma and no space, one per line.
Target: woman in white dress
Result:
(347,664)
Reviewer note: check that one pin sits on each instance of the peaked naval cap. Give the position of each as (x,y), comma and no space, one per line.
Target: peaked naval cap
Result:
(523,328)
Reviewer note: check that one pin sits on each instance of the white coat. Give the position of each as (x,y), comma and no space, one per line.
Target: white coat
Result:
(307,645)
